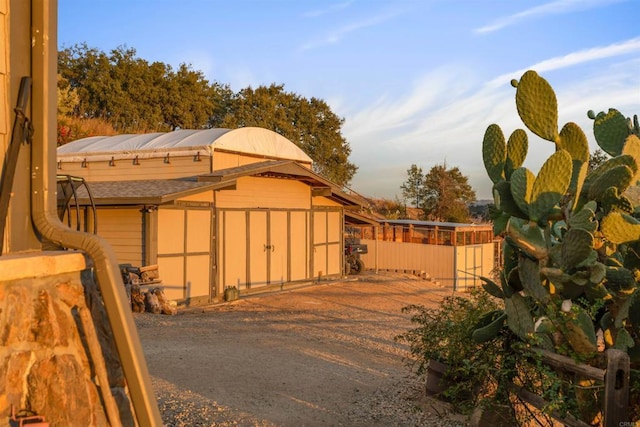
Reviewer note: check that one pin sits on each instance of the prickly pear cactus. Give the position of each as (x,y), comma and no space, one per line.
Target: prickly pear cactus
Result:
(572,237)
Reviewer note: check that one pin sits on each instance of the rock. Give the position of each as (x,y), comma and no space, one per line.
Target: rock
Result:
(165,304)
(137,299)
(151,303)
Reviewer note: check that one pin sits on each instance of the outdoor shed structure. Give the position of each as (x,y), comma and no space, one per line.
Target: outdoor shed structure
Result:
(214,208)
(454,254)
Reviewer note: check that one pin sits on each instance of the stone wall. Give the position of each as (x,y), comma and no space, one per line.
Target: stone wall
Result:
(57,357)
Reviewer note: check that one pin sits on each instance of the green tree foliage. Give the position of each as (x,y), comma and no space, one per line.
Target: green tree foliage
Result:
(135,96)
(309,123)
(387,208)
(413,187)
(597,158)
(446,195)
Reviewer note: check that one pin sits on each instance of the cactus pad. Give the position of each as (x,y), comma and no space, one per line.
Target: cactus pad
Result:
(611,130)
(581,334)
(494,152)
(528,237)
(530,277)
(519,317)
(573,139)
(625,159)
(550,185)
(576,247)
(489,331)
(620,228)
(517,148)
(619,178)
(632,148)
(521,187)
(537,106)
(585,218)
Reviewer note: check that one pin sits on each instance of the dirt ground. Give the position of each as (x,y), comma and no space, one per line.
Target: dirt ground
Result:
(317,355)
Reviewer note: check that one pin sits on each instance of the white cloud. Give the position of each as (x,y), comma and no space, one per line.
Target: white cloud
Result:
(330,9)
(577,58)
(338,34)
(434,89)
(440,119)
(552,8)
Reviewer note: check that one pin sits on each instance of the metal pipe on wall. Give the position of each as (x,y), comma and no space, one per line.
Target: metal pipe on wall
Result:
(46,221)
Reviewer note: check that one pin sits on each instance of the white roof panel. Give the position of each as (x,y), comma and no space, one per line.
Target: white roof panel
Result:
(250,140)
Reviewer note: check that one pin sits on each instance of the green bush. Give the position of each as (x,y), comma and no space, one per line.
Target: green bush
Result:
(444,333)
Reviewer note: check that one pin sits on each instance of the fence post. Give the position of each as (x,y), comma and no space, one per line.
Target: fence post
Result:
(616,388)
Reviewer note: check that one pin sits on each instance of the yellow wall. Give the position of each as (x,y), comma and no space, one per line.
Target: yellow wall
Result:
(184,253)
(327,242)
(253,192)
(122,228)
(125,170)
(225,160)
(205,196)
(232,243)
(323,201)
(222,160)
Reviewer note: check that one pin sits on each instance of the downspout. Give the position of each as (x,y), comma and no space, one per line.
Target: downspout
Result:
(45,219)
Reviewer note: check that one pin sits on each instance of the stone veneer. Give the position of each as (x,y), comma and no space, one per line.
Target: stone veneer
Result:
(45,362)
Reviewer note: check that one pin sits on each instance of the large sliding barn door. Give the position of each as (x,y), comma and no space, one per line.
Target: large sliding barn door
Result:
(184,253)
(327,242)
(262,247)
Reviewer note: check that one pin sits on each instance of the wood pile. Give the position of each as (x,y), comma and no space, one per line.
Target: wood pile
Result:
(151,300)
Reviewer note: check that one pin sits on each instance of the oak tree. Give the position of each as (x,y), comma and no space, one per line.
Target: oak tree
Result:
(447,193)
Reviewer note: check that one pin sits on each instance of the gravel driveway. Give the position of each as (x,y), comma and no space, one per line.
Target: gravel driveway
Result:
(319,355)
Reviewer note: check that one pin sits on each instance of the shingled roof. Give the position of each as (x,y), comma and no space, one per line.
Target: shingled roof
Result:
(148,192)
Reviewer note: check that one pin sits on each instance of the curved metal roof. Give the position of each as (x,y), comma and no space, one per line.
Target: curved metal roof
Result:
(249,140)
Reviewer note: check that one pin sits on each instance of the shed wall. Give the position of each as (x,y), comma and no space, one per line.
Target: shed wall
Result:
(224,160)
(184,252)
(122,228)
(254,192)
(126,170)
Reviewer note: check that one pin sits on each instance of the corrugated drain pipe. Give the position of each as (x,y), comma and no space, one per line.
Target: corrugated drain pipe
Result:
(45,218)
(114,296)
(46,221)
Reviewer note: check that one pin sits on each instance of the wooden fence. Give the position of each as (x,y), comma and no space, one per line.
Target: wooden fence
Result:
(457,267)
(615,377)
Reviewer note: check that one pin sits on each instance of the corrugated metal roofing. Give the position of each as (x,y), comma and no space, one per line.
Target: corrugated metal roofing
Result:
(249,140)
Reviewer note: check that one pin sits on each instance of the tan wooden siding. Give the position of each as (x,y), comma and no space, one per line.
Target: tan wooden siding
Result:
(254,192)
(223,160)
(327,243)
(197,277)
(448,265)
(184,236)
(233,249)
(334,243)
(279,247)
(198,231)
(299,240)
(205,196)
(323,201)
(125,170)
(258,248)
(170,231)
(171,271)
(122,228)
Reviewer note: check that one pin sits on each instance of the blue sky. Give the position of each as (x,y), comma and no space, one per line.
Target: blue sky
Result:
(417,81)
